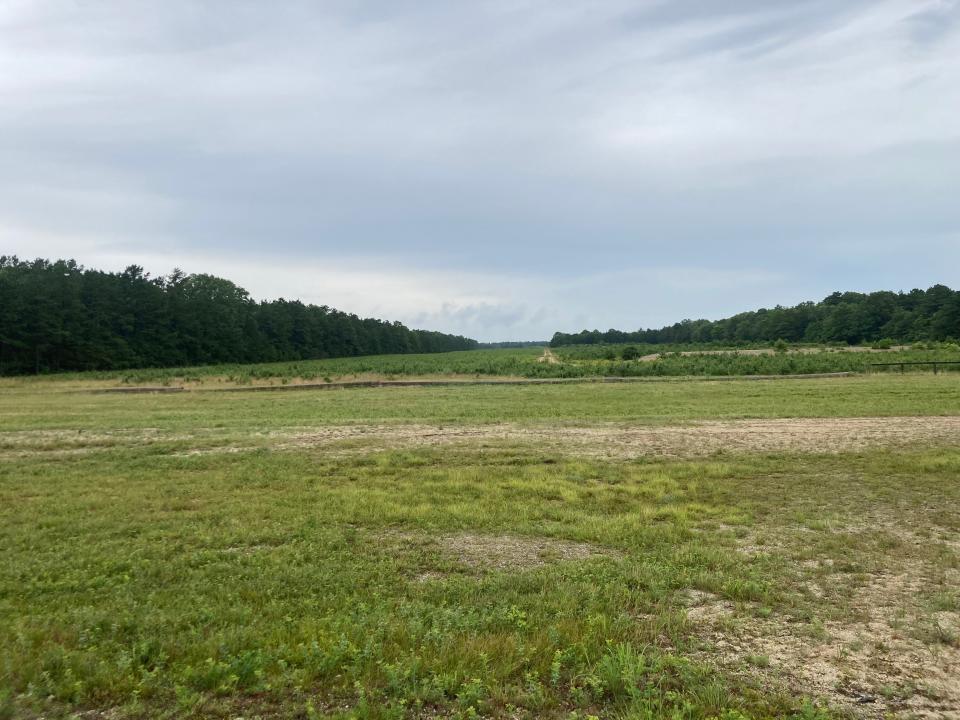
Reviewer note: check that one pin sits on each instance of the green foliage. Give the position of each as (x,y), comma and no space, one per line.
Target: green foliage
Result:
(58,316)
(713,360)
(576,361)
(7,709)
(849,318)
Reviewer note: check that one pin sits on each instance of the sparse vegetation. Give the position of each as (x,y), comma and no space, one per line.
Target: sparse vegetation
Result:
(228,554)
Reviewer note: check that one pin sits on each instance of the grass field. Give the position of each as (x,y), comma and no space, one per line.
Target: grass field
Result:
(581,361)
(684,549)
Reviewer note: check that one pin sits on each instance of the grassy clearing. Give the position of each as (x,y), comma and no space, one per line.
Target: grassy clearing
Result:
(500,578)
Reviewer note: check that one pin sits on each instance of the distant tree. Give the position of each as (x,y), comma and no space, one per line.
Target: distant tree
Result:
(60,316)
(841,317)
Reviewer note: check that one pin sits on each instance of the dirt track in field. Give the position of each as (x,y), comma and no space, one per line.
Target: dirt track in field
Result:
(799,435)
(805,435)
(548,357)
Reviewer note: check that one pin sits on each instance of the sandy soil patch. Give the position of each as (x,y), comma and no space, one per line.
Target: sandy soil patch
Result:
(800,435)
(806,435)
(548,357)
(512,552)
(883,651)
(704,606)
(25,443)
(872,667)
(498,552)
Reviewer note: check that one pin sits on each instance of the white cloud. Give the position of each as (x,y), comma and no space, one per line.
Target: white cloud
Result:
(499,168)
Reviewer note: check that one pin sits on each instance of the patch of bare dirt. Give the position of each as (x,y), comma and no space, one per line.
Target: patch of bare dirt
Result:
(883,652)
(24,443)
(908,528)
(873,668)
(500,552)
(514,552)
(801,435)
(548,357)
(704,606)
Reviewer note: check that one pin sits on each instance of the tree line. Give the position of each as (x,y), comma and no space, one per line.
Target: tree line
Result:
(511,344)
(848,317)
(61,316)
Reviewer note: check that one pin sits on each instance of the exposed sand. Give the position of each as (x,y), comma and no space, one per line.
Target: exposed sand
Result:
(800,435)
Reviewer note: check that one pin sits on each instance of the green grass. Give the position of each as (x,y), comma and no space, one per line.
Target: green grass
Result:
(308,582)
(35,406)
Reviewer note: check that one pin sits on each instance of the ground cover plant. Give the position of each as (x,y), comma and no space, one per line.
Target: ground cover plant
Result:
(685,549)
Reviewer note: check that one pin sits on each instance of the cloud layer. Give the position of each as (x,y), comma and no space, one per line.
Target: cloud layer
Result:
(500,169)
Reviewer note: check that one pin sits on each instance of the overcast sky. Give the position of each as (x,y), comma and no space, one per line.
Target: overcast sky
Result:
(498,169)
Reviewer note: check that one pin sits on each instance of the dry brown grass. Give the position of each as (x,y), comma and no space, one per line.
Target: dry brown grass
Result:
(807,435)
(477,552)
(616,441)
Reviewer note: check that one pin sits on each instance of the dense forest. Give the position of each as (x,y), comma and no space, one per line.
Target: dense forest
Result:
(61,316)
(849,317)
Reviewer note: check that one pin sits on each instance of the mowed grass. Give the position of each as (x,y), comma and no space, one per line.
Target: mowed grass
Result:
(492,579)
(33,406)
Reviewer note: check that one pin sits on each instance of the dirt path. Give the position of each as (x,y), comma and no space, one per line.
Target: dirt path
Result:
(548,357)
(447,382)
(799,435)
(804,435)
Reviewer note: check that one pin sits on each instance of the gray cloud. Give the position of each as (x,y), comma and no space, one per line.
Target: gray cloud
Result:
(572,156)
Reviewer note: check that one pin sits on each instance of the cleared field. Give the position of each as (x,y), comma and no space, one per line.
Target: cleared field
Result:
(684,549)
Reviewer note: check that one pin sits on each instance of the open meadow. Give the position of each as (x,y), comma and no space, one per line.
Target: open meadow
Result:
(510,360)
(668,548)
